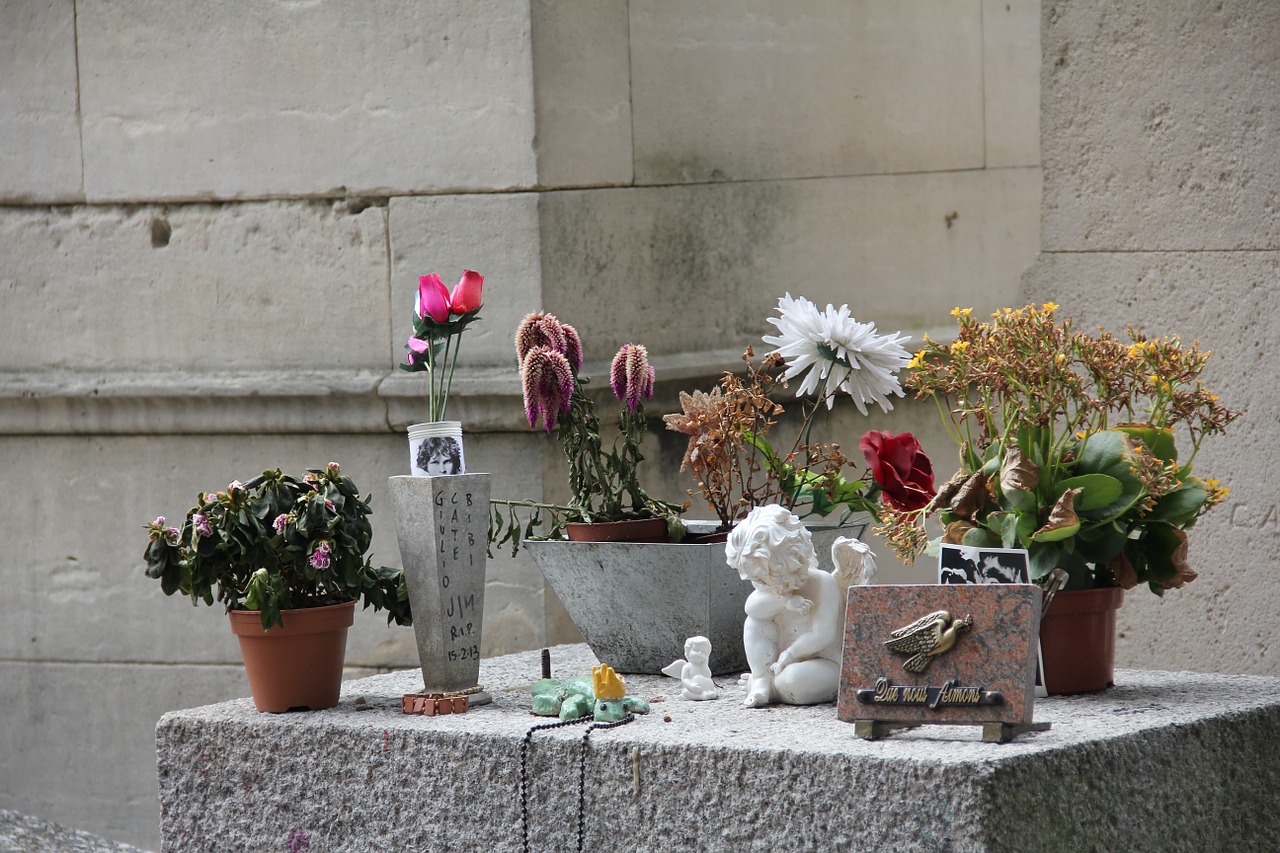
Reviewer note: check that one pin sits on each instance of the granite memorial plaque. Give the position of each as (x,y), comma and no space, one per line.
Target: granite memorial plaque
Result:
(940,654)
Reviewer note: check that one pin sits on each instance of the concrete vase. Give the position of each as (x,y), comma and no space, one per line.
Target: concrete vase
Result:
(442,524)
(298,665)
(637,603)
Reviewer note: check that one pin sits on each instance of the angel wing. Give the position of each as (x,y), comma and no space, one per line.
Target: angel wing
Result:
(675,668)
(921,635)
(855,564)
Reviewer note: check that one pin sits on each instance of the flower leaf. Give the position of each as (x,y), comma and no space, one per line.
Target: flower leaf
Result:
(1063,521)
(1181,505)
(1096,490)
(1044,558)
(1017,471)
(1159,439)
(971,496)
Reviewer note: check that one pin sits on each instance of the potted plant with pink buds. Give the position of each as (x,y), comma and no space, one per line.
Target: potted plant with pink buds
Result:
(439,318)
(287,557)
(608,502)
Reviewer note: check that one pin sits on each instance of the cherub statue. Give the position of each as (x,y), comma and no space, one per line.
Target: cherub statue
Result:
(695,672)
(795,614)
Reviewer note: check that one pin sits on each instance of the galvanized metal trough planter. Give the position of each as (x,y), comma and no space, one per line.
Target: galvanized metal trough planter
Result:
(636,603)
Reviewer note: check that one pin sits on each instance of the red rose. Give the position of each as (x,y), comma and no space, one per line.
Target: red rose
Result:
(900,467)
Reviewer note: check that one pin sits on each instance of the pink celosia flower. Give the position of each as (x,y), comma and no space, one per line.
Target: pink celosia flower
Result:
(467,293)
(540,329)
(572,346)
(547,380)
(433,299)
(200,522)
(281,522)
(631,375)
(320,556)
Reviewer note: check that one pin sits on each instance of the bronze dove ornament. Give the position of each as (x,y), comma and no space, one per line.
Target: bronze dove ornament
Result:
(926,638)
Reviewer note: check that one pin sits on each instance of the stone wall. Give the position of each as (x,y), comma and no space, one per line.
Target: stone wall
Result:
(212,217)
(1162,208)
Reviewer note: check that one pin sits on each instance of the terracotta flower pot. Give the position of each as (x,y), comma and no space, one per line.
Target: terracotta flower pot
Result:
(1078,640)
(297,666)
(637,530)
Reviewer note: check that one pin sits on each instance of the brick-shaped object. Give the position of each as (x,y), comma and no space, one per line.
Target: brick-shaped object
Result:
(431,706)
(973,641)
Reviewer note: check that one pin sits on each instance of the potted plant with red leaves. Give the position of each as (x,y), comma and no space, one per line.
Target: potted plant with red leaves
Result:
(440,316)
(1069,449)
(286,556)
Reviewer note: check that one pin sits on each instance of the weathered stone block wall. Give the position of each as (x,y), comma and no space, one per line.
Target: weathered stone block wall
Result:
(212,217)
(1162,208)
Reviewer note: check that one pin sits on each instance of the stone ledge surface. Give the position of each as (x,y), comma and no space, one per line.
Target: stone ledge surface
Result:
(1165,761)
(22,833)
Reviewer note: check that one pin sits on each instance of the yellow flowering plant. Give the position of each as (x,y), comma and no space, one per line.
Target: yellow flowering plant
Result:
(1068,447)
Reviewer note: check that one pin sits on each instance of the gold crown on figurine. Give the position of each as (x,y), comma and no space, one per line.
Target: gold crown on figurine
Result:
(606,682)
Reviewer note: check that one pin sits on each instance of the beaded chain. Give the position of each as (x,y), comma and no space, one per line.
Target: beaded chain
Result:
(582,771)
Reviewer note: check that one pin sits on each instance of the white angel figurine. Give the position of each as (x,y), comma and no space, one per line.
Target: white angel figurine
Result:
(694,673)
(795,615)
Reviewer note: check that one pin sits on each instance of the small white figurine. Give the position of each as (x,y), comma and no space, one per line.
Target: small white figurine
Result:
(694,673)
(795,615)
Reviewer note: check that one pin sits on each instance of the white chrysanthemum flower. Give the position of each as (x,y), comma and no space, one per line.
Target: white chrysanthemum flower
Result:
(837,353)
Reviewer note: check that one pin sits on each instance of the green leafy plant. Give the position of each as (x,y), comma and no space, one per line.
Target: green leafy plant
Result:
(277,543)
(1069,447)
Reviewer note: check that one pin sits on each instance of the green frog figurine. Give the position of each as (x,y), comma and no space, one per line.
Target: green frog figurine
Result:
(603,696)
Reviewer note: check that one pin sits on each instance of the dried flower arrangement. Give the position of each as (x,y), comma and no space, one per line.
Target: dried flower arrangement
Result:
(731,458)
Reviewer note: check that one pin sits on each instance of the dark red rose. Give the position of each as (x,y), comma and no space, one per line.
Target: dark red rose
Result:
(900,467)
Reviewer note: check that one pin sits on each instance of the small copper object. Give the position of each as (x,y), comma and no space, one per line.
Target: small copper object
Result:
(433,704)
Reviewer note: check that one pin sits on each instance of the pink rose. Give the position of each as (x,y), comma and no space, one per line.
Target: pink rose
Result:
(468,293)
(433,299)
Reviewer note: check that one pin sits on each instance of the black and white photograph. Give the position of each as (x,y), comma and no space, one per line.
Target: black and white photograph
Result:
(435,456)
(966,564)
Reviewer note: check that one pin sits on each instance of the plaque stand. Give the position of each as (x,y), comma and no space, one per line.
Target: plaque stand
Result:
(991,732)
(443,526)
